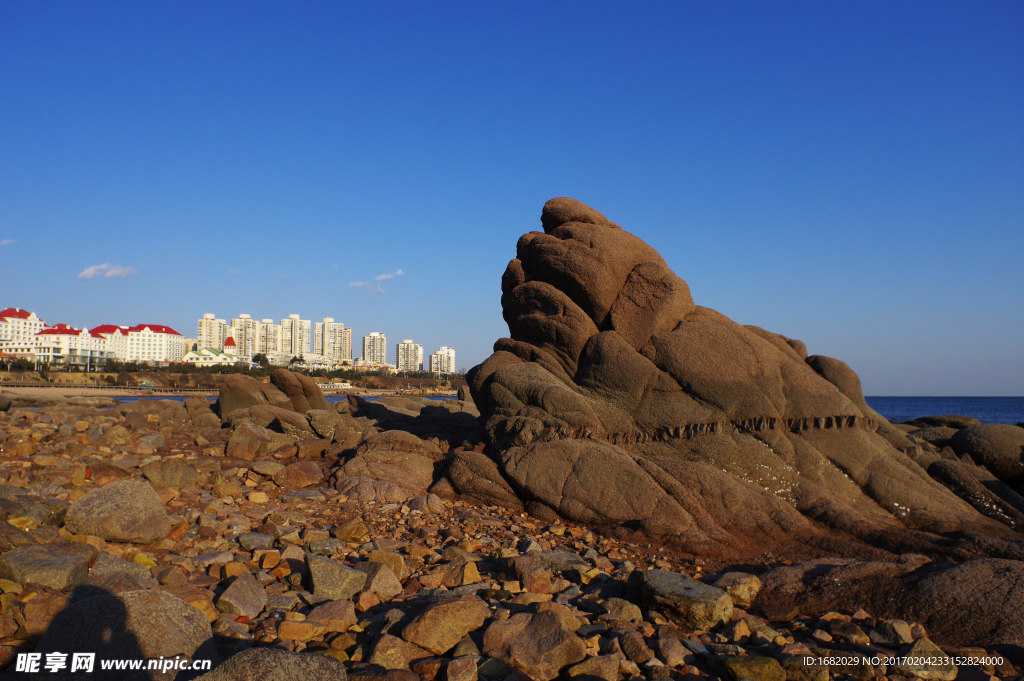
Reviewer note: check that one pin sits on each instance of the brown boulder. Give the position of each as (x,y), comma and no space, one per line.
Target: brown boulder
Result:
(302,391)
(442,625)
(997,446)
(617,401)
(538,645)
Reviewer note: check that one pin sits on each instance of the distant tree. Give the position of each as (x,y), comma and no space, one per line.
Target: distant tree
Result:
(259,358)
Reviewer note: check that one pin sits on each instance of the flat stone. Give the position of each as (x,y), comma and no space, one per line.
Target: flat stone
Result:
(106,565)
(250,541)
(463,669)
(354,530)
(755,667)
(335,615)
(58,567)
(891,634)
(690,603)
(268,468)
(303,495)
(441,626)
(244,596)
(333,580)
(299,474)
(271,664)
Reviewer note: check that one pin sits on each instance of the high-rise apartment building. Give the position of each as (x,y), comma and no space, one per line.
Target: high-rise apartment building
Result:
(295,335)
(332,340)
(443,361)
(375,349)
(245,331)
(409,356)
(212,332)
(268,338)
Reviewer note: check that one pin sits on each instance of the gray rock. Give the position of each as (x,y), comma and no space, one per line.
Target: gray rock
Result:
(913,660)
(269,468)
(58,566)
(270,664)
(125,511)
(563,561)
(107,565)
(538,645)
(171,473)
(426,504)
(5,403)
(380,579)
(245,596)
(250,541)
(324,547)
(622,609)
(891,634)
(670,651)
(687,601)
(333,580)
(132,625)
(152,442)
(741,587)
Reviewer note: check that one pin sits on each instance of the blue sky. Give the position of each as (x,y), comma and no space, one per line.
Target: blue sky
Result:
(849,174)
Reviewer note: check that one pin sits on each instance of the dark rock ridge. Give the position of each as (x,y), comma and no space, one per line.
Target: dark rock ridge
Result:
(617,401)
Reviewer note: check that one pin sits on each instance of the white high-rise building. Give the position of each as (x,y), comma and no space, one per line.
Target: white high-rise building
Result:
(409,356)
(443,361)
(212,332)
(245,331)
(332,340)
(295,335)
(375,349)
(268,339)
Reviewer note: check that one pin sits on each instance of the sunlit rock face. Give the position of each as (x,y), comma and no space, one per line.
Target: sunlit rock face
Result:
(618,401)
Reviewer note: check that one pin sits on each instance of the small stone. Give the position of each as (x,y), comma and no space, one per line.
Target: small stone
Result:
(925,660)
(691,603)
(604,667)
(258,497)
(245,597)
(380,579)
(891,634)
(672,653)
(622,609)
(267,468)
(250,541)
(299,474)
(443,625)
(462,669)
(333,580)
(354,530)
(289,630)
(741,587)
(335,615)
(755,668)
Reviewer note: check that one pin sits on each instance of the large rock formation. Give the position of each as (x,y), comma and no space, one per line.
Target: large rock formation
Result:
(617,401)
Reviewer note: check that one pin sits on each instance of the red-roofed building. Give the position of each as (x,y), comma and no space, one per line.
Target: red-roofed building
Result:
(154,344)
(19,326)
(63,344)
(117,339)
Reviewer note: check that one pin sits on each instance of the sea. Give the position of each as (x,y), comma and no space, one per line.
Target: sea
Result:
(985,409)
(896,409)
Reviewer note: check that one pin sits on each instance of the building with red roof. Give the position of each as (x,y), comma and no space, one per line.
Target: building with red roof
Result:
(19,326)
(63,344)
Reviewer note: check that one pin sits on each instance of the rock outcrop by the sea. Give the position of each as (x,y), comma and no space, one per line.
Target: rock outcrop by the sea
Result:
(618,401)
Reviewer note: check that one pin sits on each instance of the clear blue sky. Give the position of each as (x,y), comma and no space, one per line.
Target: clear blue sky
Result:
(849,174)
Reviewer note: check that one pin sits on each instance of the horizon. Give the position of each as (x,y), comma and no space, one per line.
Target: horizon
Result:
(846,175)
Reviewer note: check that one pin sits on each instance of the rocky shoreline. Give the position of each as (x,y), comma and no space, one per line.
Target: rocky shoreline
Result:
(235,544)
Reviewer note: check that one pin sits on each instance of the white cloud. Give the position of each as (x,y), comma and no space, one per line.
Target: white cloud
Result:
(107,270)
(366,286)
(6,242)
(385,277)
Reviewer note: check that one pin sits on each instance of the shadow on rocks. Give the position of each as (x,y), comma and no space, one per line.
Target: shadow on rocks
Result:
(120,629)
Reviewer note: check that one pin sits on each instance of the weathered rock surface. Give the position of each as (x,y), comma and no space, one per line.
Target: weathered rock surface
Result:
(617,401)
(128,511)
(129,625)
(269,664)
(441,626)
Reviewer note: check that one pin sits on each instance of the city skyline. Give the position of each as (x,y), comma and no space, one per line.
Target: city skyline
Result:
(846,175)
